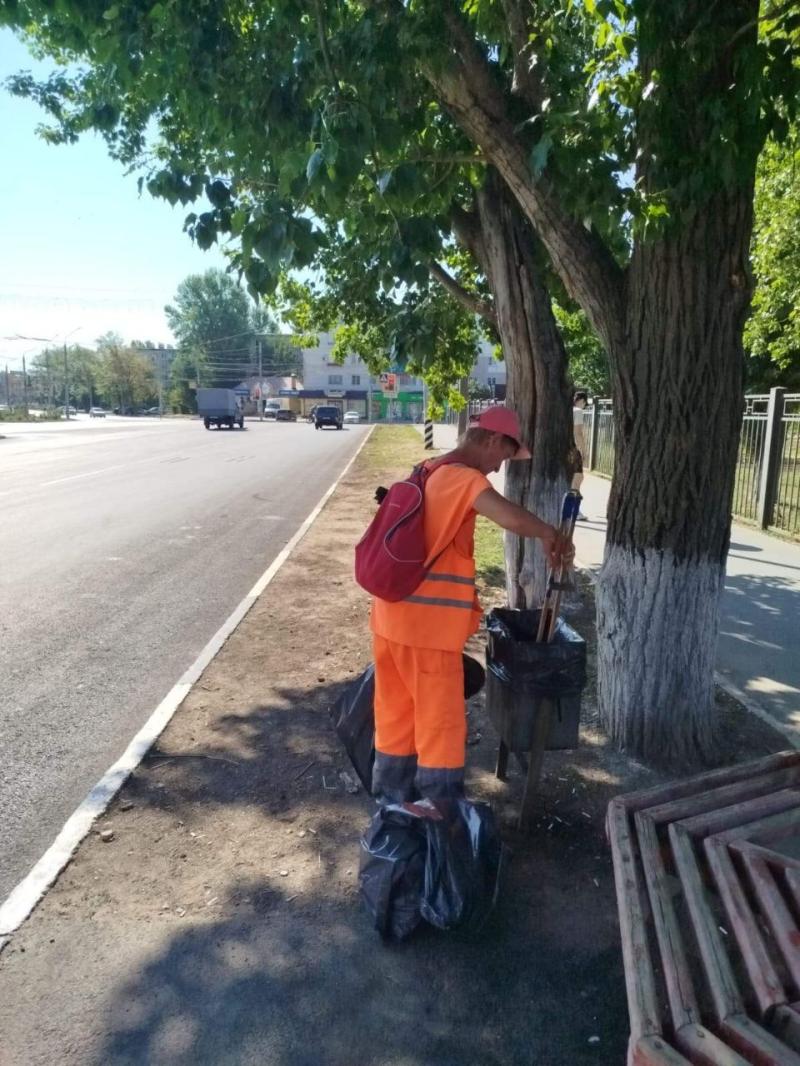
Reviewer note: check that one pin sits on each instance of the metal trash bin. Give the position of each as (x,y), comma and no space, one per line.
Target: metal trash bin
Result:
(525,677)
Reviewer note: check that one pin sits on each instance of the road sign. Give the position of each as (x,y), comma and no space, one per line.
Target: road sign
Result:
(388,383)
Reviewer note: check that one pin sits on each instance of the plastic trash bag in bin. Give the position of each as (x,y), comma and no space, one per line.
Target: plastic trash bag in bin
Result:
(527,678)
(437,860)
(515,657)
(353,716)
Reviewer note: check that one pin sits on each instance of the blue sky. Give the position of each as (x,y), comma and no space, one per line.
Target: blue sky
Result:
(81,250)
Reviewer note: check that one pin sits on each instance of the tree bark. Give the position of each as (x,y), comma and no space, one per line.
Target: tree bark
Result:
(537,385)
(677,415)
(671,323)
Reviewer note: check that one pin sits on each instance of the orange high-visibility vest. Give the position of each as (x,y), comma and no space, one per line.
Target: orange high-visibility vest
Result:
(443,611)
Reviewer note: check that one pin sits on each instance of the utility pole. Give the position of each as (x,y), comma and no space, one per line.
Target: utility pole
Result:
(160,384)
(66,383)
(24,385)
(8,387)
(260,385)
(51,396)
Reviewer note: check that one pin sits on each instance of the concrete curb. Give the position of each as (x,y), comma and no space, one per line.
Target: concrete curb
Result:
(25,896)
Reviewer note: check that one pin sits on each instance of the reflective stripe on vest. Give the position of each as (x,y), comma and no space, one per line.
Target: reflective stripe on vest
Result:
(441,612)
(441,601)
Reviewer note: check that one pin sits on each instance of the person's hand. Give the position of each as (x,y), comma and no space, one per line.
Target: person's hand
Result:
(559,549)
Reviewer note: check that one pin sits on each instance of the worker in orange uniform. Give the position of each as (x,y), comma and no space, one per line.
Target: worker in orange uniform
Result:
(420,714)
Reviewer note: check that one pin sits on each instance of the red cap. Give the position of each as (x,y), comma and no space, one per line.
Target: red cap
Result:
(502,420)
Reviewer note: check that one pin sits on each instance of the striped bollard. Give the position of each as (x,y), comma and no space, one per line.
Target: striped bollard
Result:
(428,435)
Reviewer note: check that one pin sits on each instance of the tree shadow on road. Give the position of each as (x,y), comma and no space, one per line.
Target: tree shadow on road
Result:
(760,639)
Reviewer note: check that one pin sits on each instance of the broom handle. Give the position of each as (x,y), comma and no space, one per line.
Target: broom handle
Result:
(548,619)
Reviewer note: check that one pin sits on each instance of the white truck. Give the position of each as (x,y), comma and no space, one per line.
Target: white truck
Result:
(219,407)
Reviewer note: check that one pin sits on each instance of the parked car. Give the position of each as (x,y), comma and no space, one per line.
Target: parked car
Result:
(271,410)
(72,410)
(352,416)
(153,411)
(285,415)
(327,416)
(96,412)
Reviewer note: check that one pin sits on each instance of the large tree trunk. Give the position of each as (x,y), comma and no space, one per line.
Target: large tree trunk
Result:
(537,386)
(677,417)
(672,324)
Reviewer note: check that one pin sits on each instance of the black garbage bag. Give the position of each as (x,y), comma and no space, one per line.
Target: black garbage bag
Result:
(353,716)
(515,658)
(474,676)
(463,862)
(392,870)
(437,860)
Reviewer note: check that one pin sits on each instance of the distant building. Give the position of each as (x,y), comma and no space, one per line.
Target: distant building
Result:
(488,372)
(160,355)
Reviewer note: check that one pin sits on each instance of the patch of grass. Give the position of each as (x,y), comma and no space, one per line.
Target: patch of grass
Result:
(489,554)
(394,448)
(20,414)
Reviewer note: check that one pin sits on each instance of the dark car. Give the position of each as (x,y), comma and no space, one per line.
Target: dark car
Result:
(327,416)
(285,415)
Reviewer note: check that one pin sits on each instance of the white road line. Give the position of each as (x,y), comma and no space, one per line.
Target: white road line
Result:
(75,477)
(22,899)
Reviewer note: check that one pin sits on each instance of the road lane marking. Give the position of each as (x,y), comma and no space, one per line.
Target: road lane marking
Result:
(75,477)
(24,897)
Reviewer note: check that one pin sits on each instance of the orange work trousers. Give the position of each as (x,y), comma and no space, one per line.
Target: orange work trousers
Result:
(420,713)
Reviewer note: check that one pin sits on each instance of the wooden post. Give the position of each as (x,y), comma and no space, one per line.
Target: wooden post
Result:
(541,728)
(768,482)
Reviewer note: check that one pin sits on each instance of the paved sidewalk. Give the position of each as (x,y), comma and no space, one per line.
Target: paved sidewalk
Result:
(758,659)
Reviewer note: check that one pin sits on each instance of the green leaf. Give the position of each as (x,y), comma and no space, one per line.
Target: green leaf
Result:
(218,193)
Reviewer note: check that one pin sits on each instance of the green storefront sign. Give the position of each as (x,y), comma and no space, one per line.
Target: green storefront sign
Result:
(406,406)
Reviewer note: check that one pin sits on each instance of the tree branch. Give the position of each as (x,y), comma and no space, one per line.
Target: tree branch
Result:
(768,16)
(467,88)
(467,228)
(470,300)
(527,84)
(323,44)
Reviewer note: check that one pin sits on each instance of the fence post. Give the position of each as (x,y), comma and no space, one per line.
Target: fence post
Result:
(768,481)
(593,431)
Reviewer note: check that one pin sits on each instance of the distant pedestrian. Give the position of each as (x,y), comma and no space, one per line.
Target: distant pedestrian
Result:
(420,715)
(580,401)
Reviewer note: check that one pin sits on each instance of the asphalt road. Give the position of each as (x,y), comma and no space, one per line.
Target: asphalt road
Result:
(124,544)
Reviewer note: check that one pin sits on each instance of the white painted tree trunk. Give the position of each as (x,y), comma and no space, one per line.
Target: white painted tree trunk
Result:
(537,385)
(657,621)
(526,563)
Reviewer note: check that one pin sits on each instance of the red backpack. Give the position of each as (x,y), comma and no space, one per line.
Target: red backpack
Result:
(390,557)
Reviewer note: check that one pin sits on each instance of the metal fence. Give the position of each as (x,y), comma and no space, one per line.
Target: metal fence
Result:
(767,482)
(601,438)
(750,459)
(786,511)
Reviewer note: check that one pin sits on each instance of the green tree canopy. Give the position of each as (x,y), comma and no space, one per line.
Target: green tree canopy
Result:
(126,377)
(772,333)
(212,320)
